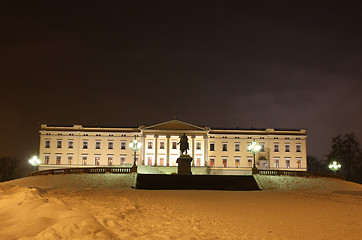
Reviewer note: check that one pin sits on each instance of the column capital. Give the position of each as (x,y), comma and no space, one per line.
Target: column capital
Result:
(206,137)
(168,136)
(193,136)
(156,136)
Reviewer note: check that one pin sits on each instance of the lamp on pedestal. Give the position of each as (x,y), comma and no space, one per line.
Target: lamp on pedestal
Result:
(135,145)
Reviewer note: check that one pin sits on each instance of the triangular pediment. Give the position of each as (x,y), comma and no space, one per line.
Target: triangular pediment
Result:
(175,125)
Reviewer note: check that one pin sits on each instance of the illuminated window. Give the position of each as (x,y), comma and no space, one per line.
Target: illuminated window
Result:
(174,145)
(123,159)
(162,161)
(276,162)
(162,144)
(84,160)
(262,147)
(149,161)
(123,145)
(224,147)
(85,144)
(47,143)
(59,143)
(298,147)
(287,147)
(58,159)
(150,144)
(237,147)
(225,162)
(299,162)
(237,162)
(110,144)
(70,143)
(250,162)
(276,147)
(110,160)
(212,162)
(70,159)
(212,146)
(98,144)
(46,158)
(198,161)
(198,145)
(287,162)
(97,160)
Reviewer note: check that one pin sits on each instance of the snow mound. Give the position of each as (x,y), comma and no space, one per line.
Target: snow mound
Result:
(26,215)
(78,181)
(293,183)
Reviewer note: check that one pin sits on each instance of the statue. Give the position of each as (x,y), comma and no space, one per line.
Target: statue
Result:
(184,144)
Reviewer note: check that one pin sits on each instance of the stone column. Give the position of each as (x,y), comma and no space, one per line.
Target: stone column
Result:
(168,150)
(205,150)
(156,150)
(193,150)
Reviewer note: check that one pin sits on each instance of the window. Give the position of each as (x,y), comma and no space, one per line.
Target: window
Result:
(287,147)
(149,161)
(198,161)
(46,159)
(212,162)
(162,144)
(174,145)
(58,159)
(84,160)
(276,147)
(70,143)
(299,162)
(59,143)
(298,147)
(212,146)
(224,147)
(162,161)
(123,159)
(97,160)
(247,146)
(276,162)
(150,144)
(237,147)
(262,147)
(110,144)
(237,162)
(250,162)
(98,144)
(110,160)
(225,162)
(287,162)
(123,145)
(198,145)
(85,144)
(47,143)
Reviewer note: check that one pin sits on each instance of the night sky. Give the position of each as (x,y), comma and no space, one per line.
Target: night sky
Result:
(229,64)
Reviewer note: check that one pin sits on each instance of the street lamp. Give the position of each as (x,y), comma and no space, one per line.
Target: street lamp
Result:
(34,161)
(334,166)
(135,145)
(254,148)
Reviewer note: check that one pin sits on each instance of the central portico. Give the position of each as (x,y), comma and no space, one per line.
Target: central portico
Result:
(160,143)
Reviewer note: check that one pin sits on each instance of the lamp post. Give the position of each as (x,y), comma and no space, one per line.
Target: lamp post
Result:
(34,161)
(334,166)
(135,145)
(254,148)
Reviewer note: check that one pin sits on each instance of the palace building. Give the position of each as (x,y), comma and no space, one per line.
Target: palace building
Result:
(218,150)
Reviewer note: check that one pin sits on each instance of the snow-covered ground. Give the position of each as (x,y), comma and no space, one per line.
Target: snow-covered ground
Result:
(103,206)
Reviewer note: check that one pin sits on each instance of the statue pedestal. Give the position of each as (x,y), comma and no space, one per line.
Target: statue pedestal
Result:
(184,165)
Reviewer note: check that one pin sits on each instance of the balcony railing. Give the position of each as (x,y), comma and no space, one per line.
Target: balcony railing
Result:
(295,173)
(83,170)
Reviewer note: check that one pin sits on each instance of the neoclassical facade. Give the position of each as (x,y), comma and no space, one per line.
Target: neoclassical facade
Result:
(80,146)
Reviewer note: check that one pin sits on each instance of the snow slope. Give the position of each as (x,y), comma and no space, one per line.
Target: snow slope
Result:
(103,206)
